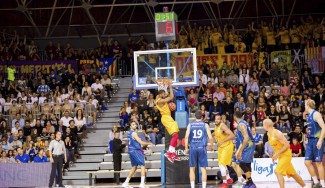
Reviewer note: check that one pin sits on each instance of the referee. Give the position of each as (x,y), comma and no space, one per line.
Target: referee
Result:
(57,157)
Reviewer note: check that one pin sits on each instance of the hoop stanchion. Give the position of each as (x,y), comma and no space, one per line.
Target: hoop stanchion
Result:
(178,172)
(163,168)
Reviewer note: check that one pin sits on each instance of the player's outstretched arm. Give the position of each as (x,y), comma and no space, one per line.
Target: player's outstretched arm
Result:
(138,139)
(319,119)
(187,134)
(243,130)
(207,128)
(171,92)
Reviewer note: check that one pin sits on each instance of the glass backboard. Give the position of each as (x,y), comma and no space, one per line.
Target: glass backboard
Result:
(178,65)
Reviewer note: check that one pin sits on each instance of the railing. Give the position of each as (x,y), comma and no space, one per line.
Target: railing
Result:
(124,66)
(35,112)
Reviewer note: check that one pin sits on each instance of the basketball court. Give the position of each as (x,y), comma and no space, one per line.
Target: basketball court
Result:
(210,185)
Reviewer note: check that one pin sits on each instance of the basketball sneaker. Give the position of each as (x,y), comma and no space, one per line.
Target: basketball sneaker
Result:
(224,185)
(142,185)
(126,185)
(169,156)
(249,184)
(241,180)
(317,185)
(230,181)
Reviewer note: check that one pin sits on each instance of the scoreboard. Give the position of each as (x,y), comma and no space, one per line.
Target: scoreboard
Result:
(165,25)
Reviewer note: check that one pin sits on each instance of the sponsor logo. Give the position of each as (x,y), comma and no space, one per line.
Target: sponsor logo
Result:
(182,155)
(267,169)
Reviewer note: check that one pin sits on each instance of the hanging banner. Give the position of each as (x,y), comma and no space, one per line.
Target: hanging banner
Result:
(213,60)
(33,67)
(315,57)
(103,65)
(283,59)
(218,59)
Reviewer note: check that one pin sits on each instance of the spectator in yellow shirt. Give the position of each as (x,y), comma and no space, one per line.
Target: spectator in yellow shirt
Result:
(11,73)
(240,47)
(257,43)
(215,39)
(270,40)
(284,38)
(295,37)
(182,37)
(221,46)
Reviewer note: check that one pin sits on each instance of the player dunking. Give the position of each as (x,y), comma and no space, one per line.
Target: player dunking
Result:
(136,155)
(315,144)
(224,137)
(282,153)
(196,137)
(169,123)
(245,148)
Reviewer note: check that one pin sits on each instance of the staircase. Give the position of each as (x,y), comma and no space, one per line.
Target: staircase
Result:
(95,146)
(94,155)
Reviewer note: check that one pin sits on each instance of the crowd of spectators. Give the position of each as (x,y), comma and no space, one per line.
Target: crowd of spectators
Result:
(33,108)
(265,36)
(258,99)
(255,90)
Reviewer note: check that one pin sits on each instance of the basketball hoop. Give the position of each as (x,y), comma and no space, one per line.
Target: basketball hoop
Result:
(163,83)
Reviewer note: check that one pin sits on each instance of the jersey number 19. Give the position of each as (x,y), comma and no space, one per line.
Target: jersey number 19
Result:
(197,134)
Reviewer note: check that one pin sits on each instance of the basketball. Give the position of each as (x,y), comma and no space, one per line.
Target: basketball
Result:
(172,106)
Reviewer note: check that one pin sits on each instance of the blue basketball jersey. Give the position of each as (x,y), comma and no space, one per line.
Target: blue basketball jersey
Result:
(239,136)
(133,144)
(198,134)
(313,129)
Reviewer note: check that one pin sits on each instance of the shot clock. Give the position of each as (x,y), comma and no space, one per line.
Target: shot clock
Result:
(165,23)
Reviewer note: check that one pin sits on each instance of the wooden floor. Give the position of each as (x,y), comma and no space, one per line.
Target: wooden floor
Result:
(210,185)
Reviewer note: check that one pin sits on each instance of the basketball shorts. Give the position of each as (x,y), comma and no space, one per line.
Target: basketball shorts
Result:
(198,157)
(285,167)
(248,154)
(170,124)
(225,154)
(312,153)
(137,158)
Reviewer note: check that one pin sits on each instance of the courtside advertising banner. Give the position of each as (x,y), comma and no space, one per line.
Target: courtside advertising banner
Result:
(263,169)
(25,174)
(178,172)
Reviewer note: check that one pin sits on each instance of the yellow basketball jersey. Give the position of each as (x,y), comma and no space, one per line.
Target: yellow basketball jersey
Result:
(220,136)
(277,145)
(164,109)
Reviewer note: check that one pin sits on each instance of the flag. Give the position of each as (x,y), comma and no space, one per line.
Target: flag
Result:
(109,66)
(315,57)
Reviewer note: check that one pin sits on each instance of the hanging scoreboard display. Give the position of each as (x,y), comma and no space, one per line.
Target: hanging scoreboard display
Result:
(165,24)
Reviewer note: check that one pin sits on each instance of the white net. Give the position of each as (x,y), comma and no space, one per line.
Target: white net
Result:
(163,84)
